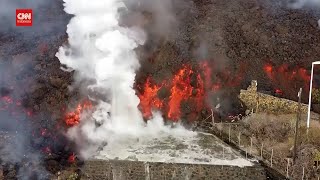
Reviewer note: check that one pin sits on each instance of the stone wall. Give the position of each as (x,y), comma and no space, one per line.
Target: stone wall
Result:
(135,170)
(260,102)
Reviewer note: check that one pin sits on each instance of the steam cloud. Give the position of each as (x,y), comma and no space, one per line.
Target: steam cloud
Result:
(162,14)
(305,3)
(101,50)
(310,4)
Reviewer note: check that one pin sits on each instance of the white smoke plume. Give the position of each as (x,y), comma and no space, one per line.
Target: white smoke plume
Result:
(44,26)
(305,3)
(164,18)
(100,49)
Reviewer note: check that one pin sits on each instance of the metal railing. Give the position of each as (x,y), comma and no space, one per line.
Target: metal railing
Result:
(233,134)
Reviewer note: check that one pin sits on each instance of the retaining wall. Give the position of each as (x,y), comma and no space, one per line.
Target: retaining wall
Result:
(135,170)
(260,102)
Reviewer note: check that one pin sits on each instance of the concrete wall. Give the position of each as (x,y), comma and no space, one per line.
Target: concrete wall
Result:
(260,102)
(134,170)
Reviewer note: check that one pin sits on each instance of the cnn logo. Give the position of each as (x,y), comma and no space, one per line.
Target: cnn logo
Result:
(23,17)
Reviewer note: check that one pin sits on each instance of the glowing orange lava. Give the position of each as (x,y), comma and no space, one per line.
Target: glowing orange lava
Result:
(73,118)
(149,99)
(189,85)
(7,99)
(268,69)
(278,91)
(46,150)
(72,158)
(283,76)
(181,90)
(207,73)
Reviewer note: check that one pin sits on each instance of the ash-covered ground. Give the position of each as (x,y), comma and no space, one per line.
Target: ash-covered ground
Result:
(240,36)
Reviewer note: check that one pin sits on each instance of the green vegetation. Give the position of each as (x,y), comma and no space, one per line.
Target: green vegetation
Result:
(317,156)
(73,176)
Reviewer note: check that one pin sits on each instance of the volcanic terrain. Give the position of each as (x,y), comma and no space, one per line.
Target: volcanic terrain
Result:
(215,48)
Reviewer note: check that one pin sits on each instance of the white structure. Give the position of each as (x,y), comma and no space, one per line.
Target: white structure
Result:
(310,93)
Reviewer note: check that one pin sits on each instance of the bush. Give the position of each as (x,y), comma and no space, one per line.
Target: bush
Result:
(277,133)
(311,138)
(276,128)
(316,96)
(305,159)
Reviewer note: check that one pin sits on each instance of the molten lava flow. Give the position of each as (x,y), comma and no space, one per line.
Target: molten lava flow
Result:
(72,158)
(13,106)
(188,85)
(223,78)
(73,118)
(46,150)
(149,99)
(268,69)
(200,93)
(285,77)
(207,74)
(28,113)
(207,70)
(216,87)
(181,90)
(278,91)
(43,132)
(7,99)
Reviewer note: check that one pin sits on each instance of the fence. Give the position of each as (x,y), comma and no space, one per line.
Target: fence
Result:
(235,135)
